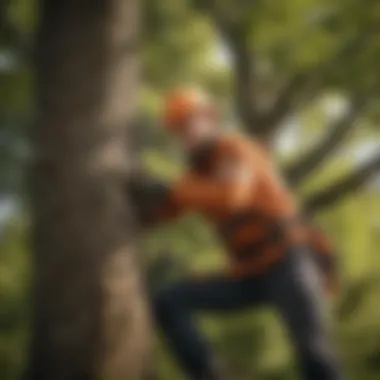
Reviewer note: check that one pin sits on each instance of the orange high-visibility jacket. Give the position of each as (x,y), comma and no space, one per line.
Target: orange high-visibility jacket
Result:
(233,182)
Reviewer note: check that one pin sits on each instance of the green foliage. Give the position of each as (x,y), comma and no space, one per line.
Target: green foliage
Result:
(181,44)
(177,42)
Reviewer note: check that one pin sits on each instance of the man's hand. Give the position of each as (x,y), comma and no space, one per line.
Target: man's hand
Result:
(149,196)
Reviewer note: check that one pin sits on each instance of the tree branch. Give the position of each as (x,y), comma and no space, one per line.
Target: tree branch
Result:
(284,102)
(343,187)
(336,132)
(234,32)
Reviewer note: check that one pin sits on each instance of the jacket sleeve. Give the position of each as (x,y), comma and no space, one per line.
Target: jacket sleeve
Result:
(230,187)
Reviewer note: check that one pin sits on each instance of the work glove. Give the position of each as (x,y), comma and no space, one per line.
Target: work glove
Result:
(148,196)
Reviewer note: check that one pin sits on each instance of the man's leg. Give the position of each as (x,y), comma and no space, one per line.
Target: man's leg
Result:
(297,292)
(173,308)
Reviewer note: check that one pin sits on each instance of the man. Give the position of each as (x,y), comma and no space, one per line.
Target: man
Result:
(232,181)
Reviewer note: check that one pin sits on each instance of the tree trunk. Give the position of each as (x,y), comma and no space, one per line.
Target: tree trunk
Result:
(90,319)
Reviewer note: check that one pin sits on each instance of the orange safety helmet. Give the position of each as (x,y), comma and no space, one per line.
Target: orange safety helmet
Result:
(180,103)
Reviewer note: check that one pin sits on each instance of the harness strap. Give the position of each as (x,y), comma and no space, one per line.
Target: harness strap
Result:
(277,232)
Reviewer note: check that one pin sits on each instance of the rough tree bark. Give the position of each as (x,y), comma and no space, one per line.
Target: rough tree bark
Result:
(90,319)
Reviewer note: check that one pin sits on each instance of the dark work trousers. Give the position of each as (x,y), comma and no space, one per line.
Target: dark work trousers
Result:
(292,287)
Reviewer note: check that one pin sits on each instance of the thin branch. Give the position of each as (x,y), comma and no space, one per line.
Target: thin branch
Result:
(343,187)
(245,79)
(335,135)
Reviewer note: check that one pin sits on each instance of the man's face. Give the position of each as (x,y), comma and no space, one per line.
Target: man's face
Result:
(200,126)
